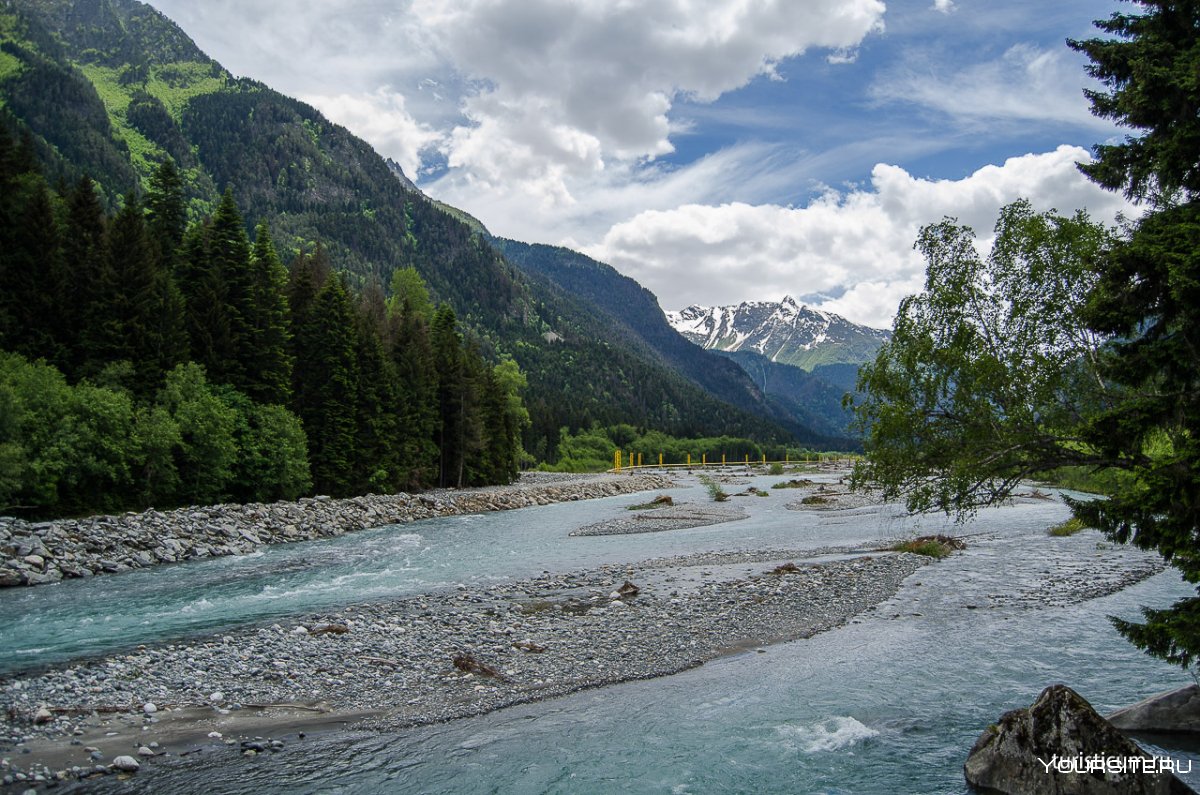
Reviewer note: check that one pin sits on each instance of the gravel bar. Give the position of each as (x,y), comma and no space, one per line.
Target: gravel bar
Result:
(425,659)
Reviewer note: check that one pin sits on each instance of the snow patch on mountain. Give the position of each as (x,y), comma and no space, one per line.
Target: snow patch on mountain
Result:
(785,332)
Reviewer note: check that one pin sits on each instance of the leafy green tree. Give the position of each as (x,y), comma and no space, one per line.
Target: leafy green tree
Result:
(1124,402)
(208,450)
(991,369)
(63,449)
(272,451)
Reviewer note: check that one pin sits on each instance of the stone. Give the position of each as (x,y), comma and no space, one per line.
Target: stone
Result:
(43,715)
(216,697)
(126,764)
(37,561)
(144,751)
(1170,712)
(149,708)
(1040,750)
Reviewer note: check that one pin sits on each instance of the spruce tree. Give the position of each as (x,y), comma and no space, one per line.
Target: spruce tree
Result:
(451,397)
(126,322)
(229,260)
(269,375)
(166,209)
(326,401)
(416,403)
(378,448)
(83,259)
(33,282)
(206,307)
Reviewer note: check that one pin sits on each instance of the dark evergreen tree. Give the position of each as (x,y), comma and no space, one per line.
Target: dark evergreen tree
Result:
(33,281)
(416,400)
(452,401)
(326,400)
(269,374)
(229,259)
(83,259)
(206,309)
(166,209)
(126,322)
(378,446)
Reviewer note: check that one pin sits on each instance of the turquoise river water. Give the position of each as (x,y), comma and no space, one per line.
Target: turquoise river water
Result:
(888,704)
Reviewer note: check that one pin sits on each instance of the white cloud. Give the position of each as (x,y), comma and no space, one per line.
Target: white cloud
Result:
(856,245)
(580,86)
(381,118)
(943,6)
(1026,84)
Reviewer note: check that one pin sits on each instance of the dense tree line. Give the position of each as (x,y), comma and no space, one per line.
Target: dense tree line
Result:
(152,362)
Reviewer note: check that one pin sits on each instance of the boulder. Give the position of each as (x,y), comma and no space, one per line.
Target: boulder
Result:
(1054,747)
(1170,712)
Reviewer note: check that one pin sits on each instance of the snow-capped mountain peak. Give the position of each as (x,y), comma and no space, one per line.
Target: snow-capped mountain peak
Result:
(784,332)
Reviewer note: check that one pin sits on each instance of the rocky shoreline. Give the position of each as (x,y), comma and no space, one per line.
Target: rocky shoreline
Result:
(425,659)
(35,553)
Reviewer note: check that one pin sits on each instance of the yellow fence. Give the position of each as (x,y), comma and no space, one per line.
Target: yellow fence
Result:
(633,461)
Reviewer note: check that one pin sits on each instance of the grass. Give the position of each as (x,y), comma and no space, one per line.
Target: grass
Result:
(938,546)
(793,484)
(776,469)
(815,499)
(714,489)
(1067,528)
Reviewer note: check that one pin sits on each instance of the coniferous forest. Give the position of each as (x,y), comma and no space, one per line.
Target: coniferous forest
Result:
(146,361)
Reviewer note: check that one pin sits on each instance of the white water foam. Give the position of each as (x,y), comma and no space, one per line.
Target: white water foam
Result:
(831,734)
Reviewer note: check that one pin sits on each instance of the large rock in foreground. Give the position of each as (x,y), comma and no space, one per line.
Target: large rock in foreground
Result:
(1176,711)
(1055,747)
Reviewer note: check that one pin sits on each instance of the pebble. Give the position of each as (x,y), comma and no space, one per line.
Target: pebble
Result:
(65,548)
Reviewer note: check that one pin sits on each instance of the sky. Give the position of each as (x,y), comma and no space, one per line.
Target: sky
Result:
(717,151)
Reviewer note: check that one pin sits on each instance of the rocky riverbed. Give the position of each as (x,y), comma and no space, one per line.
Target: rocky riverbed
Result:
(45,552)
(425,659)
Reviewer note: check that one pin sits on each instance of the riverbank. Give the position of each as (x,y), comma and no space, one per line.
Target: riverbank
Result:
(430,658)
(36,553)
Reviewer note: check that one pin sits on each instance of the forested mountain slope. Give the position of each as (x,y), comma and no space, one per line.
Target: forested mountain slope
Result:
(112,88)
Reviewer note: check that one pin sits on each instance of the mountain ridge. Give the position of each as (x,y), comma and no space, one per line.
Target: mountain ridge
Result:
(784,332)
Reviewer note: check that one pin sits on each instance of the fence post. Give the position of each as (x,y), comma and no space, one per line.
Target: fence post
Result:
(617,460)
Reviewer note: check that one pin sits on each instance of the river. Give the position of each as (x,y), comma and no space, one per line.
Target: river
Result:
(888,704)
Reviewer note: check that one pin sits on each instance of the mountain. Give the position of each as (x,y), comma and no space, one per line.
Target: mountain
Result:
(784,332)
(110,88)
(809,407)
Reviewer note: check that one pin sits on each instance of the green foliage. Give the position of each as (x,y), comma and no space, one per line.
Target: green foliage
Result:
(1122,373)
(326,397)
(206,456)
(775,469)
(1068,528)
(714,489)
(62,446)
(968,396)
(931,549)
(1148,62)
